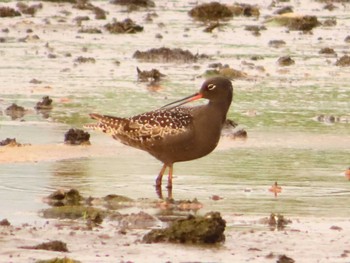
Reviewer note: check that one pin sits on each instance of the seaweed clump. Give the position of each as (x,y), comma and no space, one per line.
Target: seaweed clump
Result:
(211,11)
(207,229)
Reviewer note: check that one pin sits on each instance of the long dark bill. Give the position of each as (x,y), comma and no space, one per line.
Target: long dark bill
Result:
(183,101)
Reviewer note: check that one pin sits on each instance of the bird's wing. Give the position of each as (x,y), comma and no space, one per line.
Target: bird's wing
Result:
(144,128)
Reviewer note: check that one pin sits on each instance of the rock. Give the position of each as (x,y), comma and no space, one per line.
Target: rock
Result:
(284,10)
(232,130)
(44,104)
(327,50)
(10,142)
(137,3)
(15,111)
(152,75)
(5,222)
(77,137)
(82,59)
(277,43)
(58,260)
(127,26)
(29,10)
(284,259)
(8,12)
(344,61)
(55,245)
(167,55)
(285,61)
(244,10)
(210,11)
(295,22)
(64,197)
(208,229)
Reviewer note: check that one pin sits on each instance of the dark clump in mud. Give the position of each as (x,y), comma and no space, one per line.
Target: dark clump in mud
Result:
(232,130)
(10,142)
(277,43)
(167,55)
(44,104)
(304,23)
(59,260)
(134,3)
(55,245)
(244,10)
(8,12)
(29,10)
(285,259)
(62,197)
(285,61)
(5,222)
(86,5)
(77,137)
(210,11)
(15,111)
(127,26)
(327,51)
(278,222)
(82,60)
(217,69)
(208,229)
(344,61)
(153,75)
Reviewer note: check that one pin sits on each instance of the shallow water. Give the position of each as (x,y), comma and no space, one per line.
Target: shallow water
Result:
(277,107)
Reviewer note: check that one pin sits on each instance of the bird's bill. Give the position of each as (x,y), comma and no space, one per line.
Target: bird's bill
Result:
(183,101)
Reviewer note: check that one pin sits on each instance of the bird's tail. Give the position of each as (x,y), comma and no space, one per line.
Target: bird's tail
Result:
(105,123)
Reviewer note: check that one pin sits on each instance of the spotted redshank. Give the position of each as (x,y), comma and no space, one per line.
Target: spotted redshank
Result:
(173,133)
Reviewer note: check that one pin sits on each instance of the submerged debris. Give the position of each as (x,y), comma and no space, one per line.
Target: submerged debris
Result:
(5,222)
(295,22)
(152,75)
(64,197)
(82,59)
(15,111)
(8,12)
(276,221)
(285,259)
(55,245)
(77,137)
(285,61)
(132,3)
(232,130)
(10,142)
(167,55)
(58,260)
(127,26)
(344,61)
(208,229)
(182,205)
(210,11)
(44,104)
(244,10)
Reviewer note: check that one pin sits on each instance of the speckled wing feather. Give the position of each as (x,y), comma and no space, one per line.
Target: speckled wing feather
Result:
(145,129)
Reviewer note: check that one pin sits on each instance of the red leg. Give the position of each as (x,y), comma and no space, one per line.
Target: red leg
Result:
(160,176)
(170,177)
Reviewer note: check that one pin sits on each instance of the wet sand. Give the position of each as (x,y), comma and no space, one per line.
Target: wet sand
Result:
(246,241)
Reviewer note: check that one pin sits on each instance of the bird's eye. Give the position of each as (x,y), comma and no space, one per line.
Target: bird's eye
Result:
(211,86)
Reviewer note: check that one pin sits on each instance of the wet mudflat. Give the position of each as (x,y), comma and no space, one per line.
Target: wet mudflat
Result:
(291,96)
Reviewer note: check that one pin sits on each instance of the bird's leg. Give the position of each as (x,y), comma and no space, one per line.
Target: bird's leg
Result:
(160,176)
(170,177)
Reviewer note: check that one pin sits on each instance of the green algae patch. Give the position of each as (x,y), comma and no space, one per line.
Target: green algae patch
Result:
(207,229)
